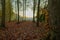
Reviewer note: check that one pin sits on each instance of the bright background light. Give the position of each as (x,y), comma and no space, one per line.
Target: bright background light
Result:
(29,13)
(29,7)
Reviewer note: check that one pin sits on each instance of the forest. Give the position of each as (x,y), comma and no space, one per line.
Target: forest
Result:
(29,20)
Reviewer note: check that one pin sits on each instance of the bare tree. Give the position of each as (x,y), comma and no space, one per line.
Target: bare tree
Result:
(3,13)
(25,9)
(18,9)
(10,8)
(34,6)
(38,12)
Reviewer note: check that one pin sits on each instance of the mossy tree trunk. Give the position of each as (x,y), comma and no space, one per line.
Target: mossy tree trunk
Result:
(10,10)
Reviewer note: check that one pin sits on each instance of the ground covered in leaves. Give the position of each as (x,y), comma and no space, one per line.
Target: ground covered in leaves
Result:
(24,31)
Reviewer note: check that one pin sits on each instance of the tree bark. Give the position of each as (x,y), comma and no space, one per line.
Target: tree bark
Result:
(38,9)
(25,10)
(18,9)
(10,7)
(3,13)
(54,17)
(34,6)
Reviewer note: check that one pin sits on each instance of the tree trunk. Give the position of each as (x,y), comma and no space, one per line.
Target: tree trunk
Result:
(54,17)
(3,13)
(34,6)
(10,7)
(18,9)
(38,9)
(25,10)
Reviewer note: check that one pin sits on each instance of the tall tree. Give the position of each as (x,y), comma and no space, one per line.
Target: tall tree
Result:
(38,9)
(10,7)
(25,9)
(3,13)
(54,17)
(34,6)
(18,9)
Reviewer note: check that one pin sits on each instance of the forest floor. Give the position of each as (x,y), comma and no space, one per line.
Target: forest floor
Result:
(24,31)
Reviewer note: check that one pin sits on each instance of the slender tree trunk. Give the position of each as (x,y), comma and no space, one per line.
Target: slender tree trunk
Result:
(3,13)
(25,10)
(10,11)
(34,6)
(15,9)
(38,12)
(18,9)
